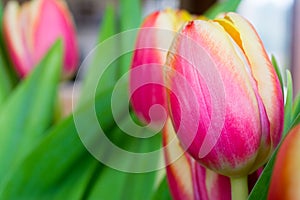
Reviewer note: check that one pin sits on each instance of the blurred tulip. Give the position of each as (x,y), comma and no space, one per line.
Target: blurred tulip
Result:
(226,101)
(30,29)
(154,39)
(285,181)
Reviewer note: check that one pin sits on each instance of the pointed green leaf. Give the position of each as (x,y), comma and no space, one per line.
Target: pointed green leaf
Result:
(128,185)
(98,58)
(60,161)
(130,14)
(278,72)
(162,192)
(296,120)
(109,24)
(130,18)
(1,10)
(108,179)
(59,153)
(260,190)
(296,106)
(6,84)
(296,111)
(58,158)
(28,112)
(288,104)
(141,184)
(222,6)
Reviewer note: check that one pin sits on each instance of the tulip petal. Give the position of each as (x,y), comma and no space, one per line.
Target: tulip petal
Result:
(264,74)
(13,23)
(179,172)
(208,58)
(265,146)
(215,185)
(187,178)
(154,39)
(32,28)
(55,21)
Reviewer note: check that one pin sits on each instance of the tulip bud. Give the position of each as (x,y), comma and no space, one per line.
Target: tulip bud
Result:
(146,80)
(30,29)
(285,181)
(226,101)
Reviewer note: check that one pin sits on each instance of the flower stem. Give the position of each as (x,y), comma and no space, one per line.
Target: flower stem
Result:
(239,188)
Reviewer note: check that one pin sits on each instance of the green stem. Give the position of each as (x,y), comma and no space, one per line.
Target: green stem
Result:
(239,188)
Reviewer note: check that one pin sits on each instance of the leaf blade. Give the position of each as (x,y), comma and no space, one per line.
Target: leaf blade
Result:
(288,104)
(99,59)
(220,7)
(28,112)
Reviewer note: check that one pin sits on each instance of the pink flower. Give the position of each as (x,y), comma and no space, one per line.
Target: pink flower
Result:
(226,101)
(146,76)
(30,29)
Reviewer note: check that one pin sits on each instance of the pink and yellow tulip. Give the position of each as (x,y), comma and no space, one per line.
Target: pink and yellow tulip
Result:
(285,181)
(226,101)
(146,77)
(30,29)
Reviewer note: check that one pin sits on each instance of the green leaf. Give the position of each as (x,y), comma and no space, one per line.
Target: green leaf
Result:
(109,24)
(100,59)
(260,190)
(130,18)
(296,121)
(128,185)
(133,186)
(6,84)
(108,179)
(278,72)
(296,106)
(162,192)
(288,104)
(220,7)
(62,153)
(107,65)
(296,111)
(28,112)
(55,160)
(130,14)
(60,161)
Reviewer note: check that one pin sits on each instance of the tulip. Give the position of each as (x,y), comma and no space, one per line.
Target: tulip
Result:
(30,29)
(146,76)
(188,179)
(285,180)
(226,101)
